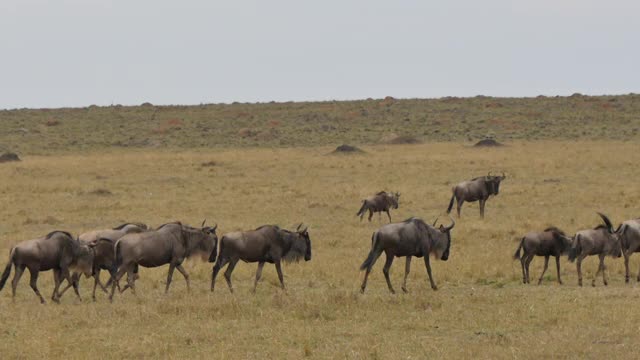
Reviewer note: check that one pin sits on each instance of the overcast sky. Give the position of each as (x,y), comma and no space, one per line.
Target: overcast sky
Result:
(82,52)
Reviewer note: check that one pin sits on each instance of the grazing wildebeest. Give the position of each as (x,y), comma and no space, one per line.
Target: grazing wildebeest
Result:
(412,237)
(379,202)
(57,251)
(476,189)
(551,242)
(629,233)
(601,241)
(170,244)
(268,243)
(104,258)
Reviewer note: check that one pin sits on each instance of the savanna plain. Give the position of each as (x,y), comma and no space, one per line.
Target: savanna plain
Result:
(481,309)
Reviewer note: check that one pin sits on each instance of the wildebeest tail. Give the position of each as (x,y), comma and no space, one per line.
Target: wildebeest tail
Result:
(516,256)
(118,255)
(576,248)
(372,254)
(362,208)
(7,270)
(624,242)
(453,197)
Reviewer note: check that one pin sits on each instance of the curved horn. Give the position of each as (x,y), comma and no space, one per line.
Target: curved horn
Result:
(606,221)
(435,221)
(453,223)
(298,228)
(215,227)
(203,221)
(303,230)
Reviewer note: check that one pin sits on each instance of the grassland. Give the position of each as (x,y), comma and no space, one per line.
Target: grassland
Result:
(91,129)
(481,309)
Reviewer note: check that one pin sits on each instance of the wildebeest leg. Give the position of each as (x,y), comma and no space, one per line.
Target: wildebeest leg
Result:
(389,215)
(374,257)
(626,266)
(427,264)
(227,274)
(579,268)
(116,279)
(459,206)
(407,267)
(75,278)
(67,275)
(169,276)
(385,271)
(131,280)
(222,261)
(482,209)
(527,264)
(185,274)
(16,278)
(558,268)
(258,275)
(280,276)
(379,216)
(34,283)
(57,280)
(601,268)
(524,272)
(546,265)
(370,214)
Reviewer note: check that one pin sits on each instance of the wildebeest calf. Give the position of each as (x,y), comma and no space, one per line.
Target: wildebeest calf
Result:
(379,202)
(551,242)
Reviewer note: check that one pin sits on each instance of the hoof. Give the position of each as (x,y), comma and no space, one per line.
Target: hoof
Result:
(434,287)
(404,289)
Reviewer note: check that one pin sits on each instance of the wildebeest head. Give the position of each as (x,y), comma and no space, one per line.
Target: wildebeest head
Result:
(442,239)
(203,241)
(561,238)
(612,246)
(211,246)
(493,183)
(300,244)
(395,199)
(83,256)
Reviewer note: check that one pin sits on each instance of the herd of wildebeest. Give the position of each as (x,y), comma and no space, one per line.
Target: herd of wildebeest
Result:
(123,249)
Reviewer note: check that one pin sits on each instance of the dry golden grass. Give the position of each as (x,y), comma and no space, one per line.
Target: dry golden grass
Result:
(481,309)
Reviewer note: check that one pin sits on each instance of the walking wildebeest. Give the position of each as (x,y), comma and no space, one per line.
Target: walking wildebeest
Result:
(601,241)
(57,251)
(551,242)
(104,258)
(412,237)
(268,243)
(170,244)
(379,202)
(476,189)
(629,233)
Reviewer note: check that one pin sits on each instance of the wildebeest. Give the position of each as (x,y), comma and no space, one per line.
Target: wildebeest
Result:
(379,202)
(629,233)
(476,189)
(551,242)
(601,241)
(170,244)
(57,251)
(103,242)
(412,237)
(268,243)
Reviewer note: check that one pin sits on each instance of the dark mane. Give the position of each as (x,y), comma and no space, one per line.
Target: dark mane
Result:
(263,226)
(381,193)
(50,235)
(554,229)
(169,223)
(120,227)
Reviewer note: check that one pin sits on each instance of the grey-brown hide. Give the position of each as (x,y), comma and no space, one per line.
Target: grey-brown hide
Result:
(601,241)
(170,244)
(57,251)
(550,242)
(266,244)
(629,233)
(103,247)
(412,237)
(380,202)
(477,189)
